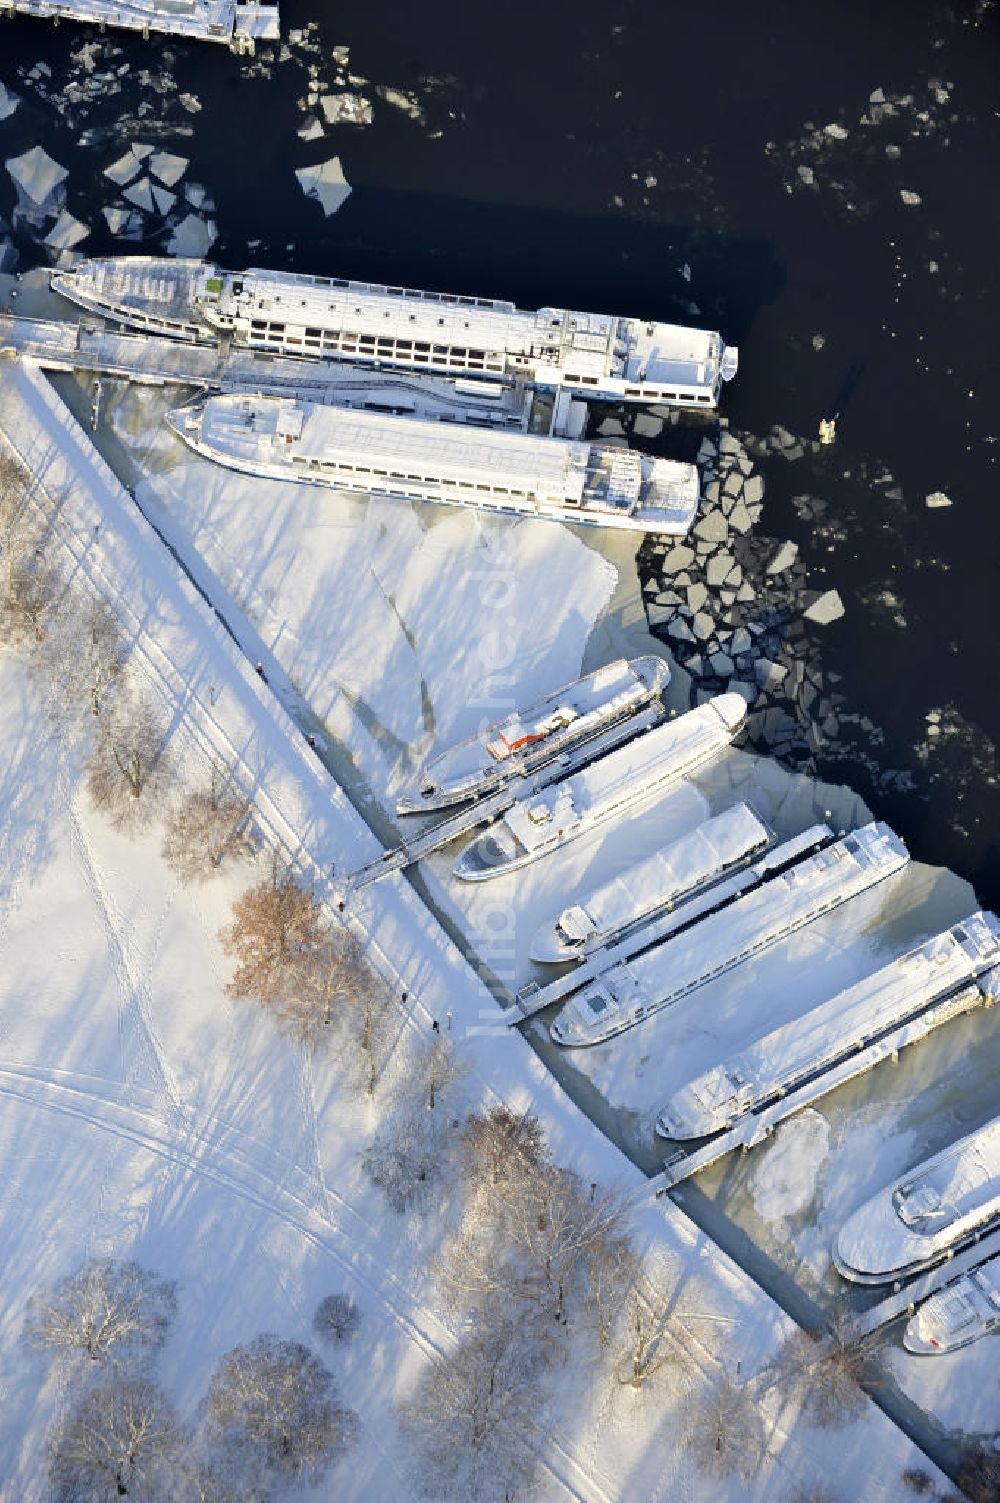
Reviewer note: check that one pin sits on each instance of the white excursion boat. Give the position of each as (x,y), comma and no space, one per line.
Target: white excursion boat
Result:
(958,1314)
(241,23)
(658,884)
(594,355)
(528,739)
(408,458)
(607,789)
(921,1218)
(788,1056)
(627,993)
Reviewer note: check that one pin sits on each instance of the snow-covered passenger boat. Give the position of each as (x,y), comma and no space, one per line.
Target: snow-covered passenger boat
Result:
(529,739)
(405,458)
(661,882)
(627,993)
(788,1056)
(241,23)
(608,789)
(922,1217)
(958,1314)
(592,355)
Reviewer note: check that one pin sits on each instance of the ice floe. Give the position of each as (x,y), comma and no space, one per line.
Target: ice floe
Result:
(167,167)
(9,102)
(66,232)
(325,182)
(141,194)
(192,237)
(37,175)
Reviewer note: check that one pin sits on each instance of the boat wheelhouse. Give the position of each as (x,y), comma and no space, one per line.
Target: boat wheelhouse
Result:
(529,739)
(608,789)
(628,993)
(787,1056)
(958,1314)
(595,356)
(658,884)
(923,1216)
(405,458)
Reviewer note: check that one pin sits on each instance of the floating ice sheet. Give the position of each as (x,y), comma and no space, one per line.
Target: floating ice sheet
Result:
(66,232)
(36,174)
(325,182)
(141,194)
(8,102)
(192,237)
(167,167)
(164,199)
(124,169)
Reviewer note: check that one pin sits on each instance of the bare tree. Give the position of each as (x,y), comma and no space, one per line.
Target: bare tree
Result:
(723,1427)
(129,772)
(500,1145)
(120,1440)
(105,1307)
(917,1480)
(408,1155)
(104,652)
(554,1224)
(337,1318)
(15,483)
(828,1372)
(210,824)
(612,1269)
(477,1416)
(978,1475)
(30,589)
(437,1066)
(372,1025)
(273,1407)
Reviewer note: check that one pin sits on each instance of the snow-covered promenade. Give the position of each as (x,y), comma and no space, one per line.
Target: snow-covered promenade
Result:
(222,1146)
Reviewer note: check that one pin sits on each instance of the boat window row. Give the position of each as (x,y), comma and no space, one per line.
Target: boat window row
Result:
(647,392)
(369,472)
(380,290)
(377,347)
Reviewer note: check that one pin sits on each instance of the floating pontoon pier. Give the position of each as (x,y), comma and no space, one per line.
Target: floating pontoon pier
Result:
(782,1060)
(646,933)
(240,23)
(485,811)
(610,789)
(757,1127)
(404,458)
(626,994)
(595,356)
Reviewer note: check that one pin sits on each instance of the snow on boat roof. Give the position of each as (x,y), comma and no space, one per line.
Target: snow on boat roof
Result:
(350,433)
(708,847)
(774,1058)
(919,1215)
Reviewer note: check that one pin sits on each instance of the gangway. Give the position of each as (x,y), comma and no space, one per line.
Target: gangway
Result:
(757,1126)
(484,811)
(647,932)
(906,1296)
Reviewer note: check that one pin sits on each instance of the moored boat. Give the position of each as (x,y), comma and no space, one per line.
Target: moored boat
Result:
(958,1314)
(591,355)
(661,882)
(529,739)
(422,459)
(609,788)
(781,1060)
(923,1216)
(626,994)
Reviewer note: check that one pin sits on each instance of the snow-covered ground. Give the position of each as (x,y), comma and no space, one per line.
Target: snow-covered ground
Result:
(144,1114)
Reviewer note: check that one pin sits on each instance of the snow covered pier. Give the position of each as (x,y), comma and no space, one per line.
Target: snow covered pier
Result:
(906,1297)
(239,23)
(653,929)
(434,837)
(757,1127)
(154,359)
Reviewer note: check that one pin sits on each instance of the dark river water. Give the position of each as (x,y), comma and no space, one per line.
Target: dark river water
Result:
(585,153)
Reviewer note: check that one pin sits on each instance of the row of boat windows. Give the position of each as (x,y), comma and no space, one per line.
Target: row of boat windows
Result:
(407,292)
(667,396)
(366,472)
(348,343)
